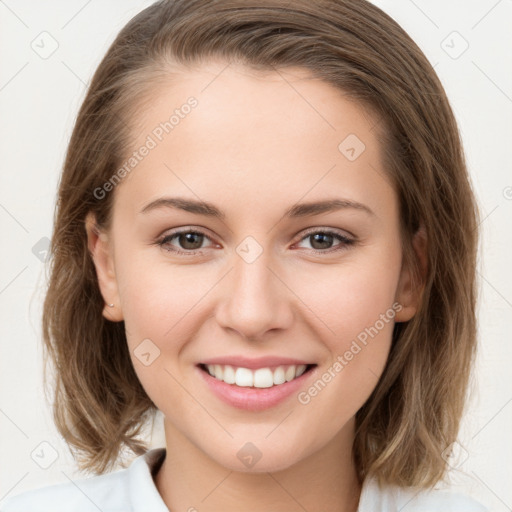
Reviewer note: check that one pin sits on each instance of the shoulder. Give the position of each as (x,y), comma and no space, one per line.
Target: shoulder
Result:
(95,493)
(119,491)
(392,498)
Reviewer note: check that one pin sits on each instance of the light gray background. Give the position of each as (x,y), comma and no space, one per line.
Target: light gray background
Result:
(39,98)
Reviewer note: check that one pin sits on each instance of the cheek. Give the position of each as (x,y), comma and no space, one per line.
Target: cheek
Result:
(360,316)
(156,297)
(157,302)
(355,310)
(342,299)
(352,296)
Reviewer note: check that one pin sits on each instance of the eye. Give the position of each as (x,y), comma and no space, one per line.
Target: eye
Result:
(190,241)
(322,240)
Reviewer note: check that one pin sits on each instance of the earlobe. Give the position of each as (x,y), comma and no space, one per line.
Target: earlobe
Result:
(410,286)
(100,250)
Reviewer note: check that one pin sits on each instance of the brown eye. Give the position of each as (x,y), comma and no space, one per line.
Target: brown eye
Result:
(322,241)
(188,242)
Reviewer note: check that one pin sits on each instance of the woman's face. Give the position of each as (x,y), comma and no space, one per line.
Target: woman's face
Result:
(263,281)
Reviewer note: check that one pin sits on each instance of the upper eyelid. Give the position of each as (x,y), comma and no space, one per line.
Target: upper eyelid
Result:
(320,229)
(179,231)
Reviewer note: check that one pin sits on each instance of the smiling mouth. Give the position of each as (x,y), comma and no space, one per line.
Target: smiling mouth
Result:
(258,378)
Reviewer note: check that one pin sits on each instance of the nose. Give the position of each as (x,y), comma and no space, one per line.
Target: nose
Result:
(255,299)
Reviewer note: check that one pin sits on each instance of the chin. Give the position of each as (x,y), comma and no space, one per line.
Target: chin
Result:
(257,456)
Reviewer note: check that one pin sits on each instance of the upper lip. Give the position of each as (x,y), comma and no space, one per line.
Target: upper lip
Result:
(254,363)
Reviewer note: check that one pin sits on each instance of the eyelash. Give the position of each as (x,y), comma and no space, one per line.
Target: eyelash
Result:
(342,246)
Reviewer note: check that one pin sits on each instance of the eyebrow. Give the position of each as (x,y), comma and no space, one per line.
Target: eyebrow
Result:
(295,211)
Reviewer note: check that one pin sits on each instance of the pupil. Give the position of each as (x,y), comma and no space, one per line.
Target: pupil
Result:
(188,239)
(322,237)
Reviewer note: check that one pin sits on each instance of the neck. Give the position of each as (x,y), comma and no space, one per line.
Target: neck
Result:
(323,481)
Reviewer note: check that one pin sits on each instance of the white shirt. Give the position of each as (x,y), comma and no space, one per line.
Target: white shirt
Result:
(133,490)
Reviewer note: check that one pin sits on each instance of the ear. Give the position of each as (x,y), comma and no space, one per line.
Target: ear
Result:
(100,248)
(410,290)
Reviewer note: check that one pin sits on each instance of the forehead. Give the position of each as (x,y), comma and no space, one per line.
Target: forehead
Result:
(264,136)
(257,97)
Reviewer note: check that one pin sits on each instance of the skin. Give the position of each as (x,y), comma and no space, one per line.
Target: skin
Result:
(256,144)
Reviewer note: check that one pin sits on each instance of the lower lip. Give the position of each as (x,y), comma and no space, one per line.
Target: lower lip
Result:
(253,399)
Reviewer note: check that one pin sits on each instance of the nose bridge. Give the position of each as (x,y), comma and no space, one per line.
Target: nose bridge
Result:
(256,299)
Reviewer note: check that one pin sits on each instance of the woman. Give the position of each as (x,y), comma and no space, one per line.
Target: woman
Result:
(290,376)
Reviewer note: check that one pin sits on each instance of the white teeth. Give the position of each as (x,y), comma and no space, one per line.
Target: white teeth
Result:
(300,370)
(260,378)
(229,375)
(289,374)
(218,370)
(279,375)
(243,377)
(263,378)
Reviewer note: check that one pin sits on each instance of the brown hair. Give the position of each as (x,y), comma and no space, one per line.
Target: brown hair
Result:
(414,412)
